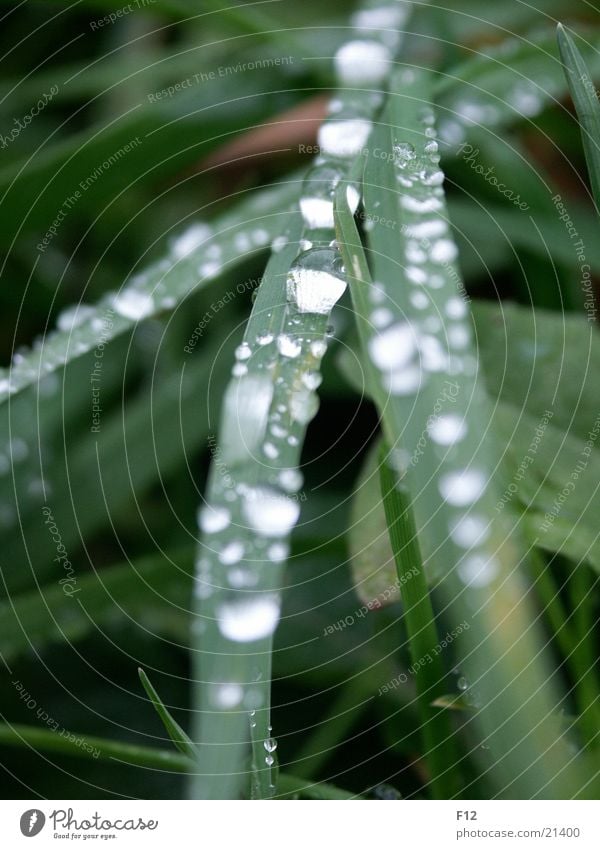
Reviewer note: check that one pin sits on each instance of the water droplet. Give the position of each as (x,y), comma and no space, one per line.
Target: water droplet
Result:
(456,308)
(278,552)
(404,154)
(447,429)
(314,282)
(443,251)
(243,351)
(132,304)
(270,451)
(190,239)
(362,62)
(270,744)
(478,570)
(227,696)
(287,346)
(318,348)
(74,316)
(392,348)
(468,531)
(269,512)
(462,487)
(211,520)
(246,620)
(232,553)
(344,138)
(290,480)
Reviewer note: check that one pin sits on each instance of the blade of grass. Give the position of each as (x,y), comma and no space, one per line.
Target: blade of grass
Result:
(440,750)
(84,746)
(176,733)
(472,551)
(157,289)
(585,98)
(247,522)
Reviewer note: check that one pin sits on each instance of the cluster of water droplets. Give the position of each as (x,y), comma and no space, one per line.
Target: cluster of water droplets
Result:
(427,347)
(197,255)
(272,396)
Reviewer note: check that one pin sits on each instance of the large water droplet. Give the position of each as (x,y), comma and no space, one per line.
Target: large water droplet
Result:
(344,138)
(246,620)
(362,62)
(132,304)
(268,512)
(315,282)
(462,487)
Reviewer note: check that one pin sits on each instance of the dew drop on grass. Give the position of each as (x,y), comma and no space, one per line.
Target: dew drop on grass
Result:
(246,620)
(211,520)
(243,351)
(393,347)
(74,316)
(469,531)
(456,308)
(232,553)
(290,480)
(405,381)
(478,570)
(318,348)
(278,552)
(303,404)
(362,62)
(444,251)
(268,512)
(227,696)
(344,138)
(287,346)
(270,451)
(190,239)
(461,488)
(447,429)
(247,403)
(318,189)
(315,281)
(133,305)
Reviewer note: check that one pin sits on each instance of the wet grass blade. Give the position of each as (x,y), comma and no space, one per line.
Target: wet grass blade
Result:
(251,509)
(99,748)
(440,750)
(176,733)
(418,351)
(585,97)
(198,257)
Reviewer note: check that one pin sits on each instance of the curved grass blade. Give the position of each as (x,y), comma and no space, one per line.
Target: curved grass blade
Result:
(197,257)
(252,510)
(416,338)
(84,746)
(585,97)
(440,749)
(512,81)
(176,733)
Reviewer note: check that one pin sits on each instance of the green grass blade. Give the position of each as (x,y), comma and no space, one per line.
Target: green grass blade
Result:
(247,522)
(176,733)
(158,289)
(84,746)
(440,750)
(585,97)
(420,347)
